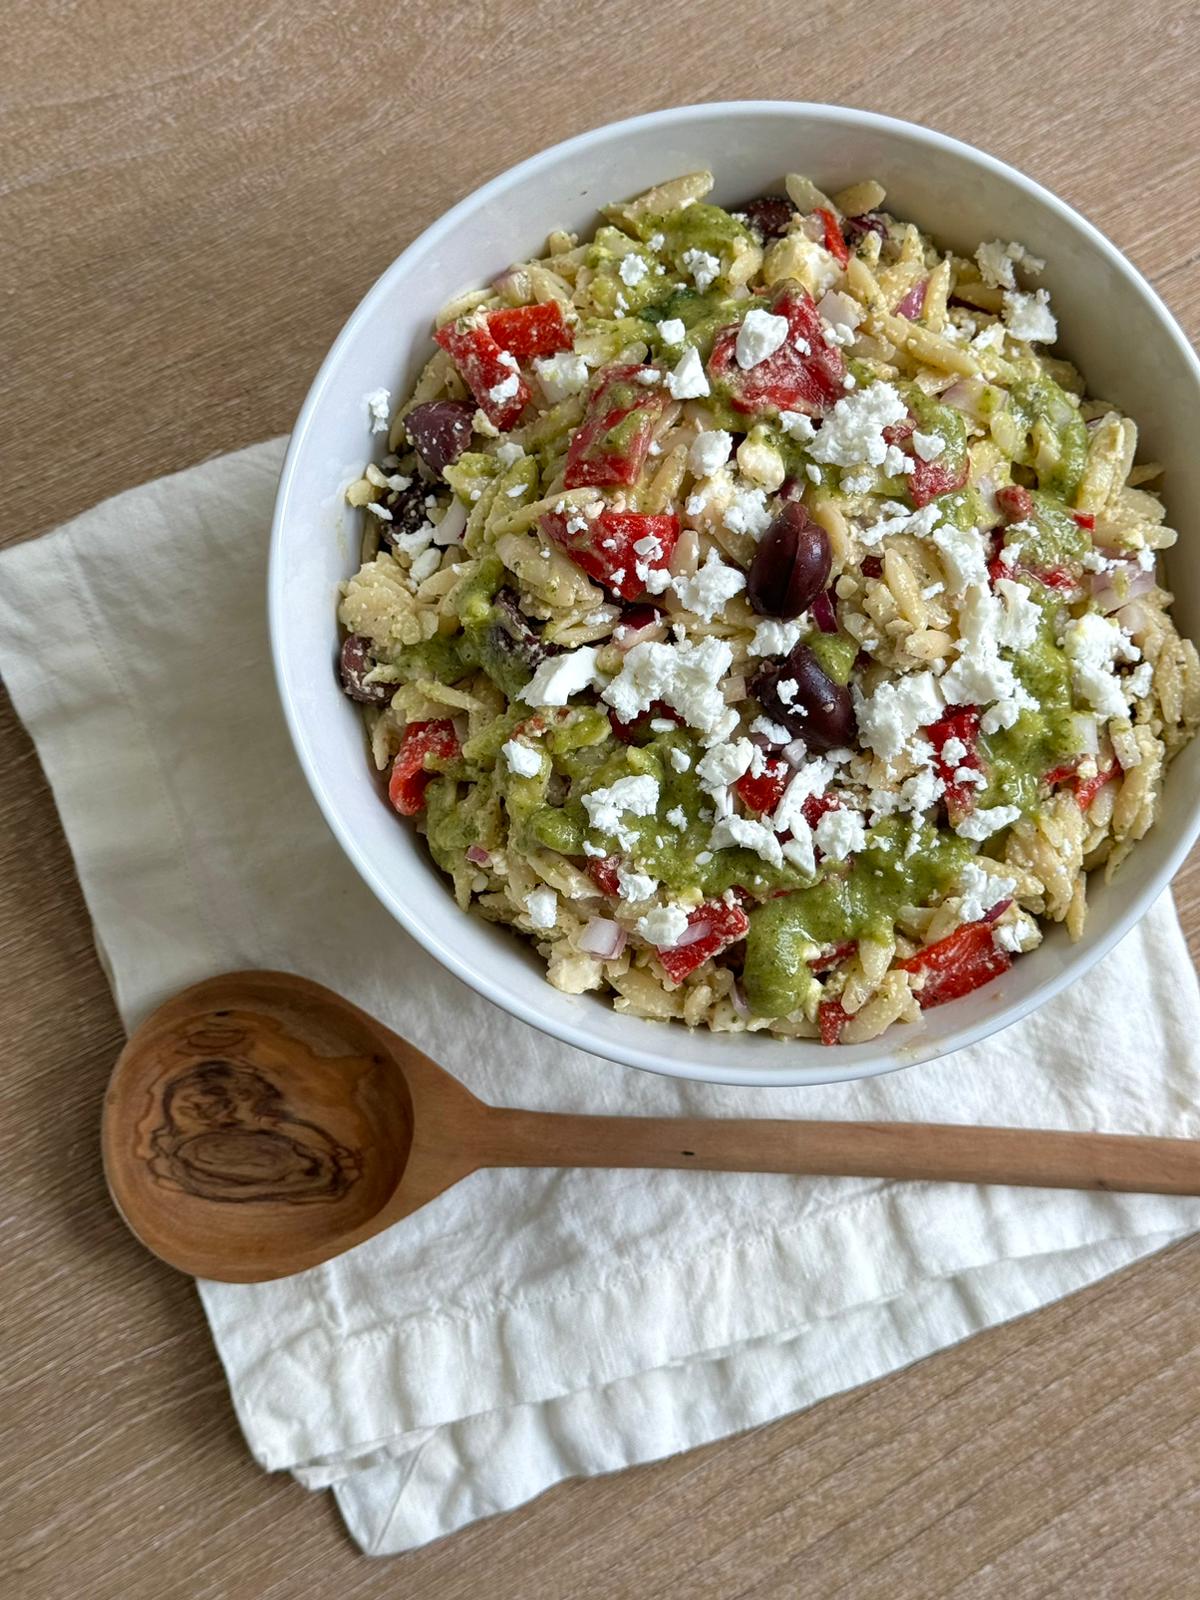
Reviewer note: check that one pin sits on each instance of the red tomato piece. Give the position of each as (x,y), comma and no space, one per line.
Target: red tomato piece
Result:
(527,331)
(602,870)
(962,723)
(603,546)
(423,742)
(487,370)
(805,374)
(929,479)
(1085,519)
(964,960)
(832,1017)
(600,455)
(764,793)
(723,925)
(1015,502)
(835,242)
(833,956)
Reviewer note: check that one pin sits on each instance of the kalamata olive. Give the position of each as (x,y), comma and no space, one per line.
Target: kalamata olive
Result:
(354,662)
(790,566)
(768,216)
(855,227)
(409,511)
(440,431)
(513,634)
(816,710)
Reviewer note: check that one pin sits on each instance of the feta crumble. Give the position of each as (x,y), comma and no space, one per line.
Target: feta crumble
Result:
(1029,316)
(672,331)
(703,267)
(557,679)
(542,906)
(663,927)
(759,336)
(688,381)
(522,760)
(379,409)
(706,590)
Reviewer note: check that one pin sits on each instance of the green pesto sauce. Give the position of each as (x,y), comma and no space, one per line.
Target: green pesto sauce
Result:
(1056,539)
(608,289)
(454,822)
(702,315)
(1050,431)
(698,227)
(1018,758)
(844,904)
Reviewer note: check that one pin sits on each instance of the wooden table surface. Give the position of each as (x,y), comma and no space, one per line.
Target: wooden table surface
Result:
(191,201)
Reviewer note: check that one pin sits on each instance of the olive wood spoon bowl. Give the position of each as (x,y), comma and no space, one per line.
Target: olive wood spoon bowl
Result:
(258,1124)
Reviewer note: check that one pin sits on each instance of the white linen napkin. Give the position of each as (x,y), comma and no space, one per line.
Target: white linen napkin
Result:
(527,1326)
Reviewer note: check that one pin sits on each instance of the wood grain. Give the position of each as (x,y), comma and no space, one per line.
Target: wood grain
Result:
(192,199)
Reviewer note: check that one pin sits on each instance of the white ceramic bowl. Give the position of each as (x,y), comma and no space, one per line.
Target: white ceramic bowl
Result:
(1111,323)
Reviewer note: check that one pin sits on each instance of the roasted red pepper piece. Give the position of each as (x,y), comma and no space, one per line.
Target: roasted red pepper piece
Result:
(602,870)
(597,455)
(962,723)
(1085,519)
(832,1017)
(835,242)
(423,742)
(964,960)
(527,331)
(1086,789)
(603,546)
(816,806)
(1015,502)
(807,378)
(487,370)
(929,479)
(763,793)
(725,924)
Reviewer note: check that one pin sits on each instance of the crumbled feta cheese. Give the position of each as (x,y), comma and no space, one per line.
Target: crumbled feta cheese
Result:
(989,338)
(812,778)
(633,269)
(757,836)
(560,375)
(649,376)
(984,821)
(542,906)
(706,590)
(814,472)
(964,555)
(558,678)
(747,512)
(852,434)
(637,795)
(1022,617)
(379,409)
(703,267)
(635,885)
(724,764)
(526,763)
(1008,937)
(679,759)
(709,452)
(772,638)
(425,565)
(979,676)
(759,336)
(1138,683)
(996,260)
(672,331)
(980,891)
(381,512)
(1093,644)
(773,732)
(798,851)
(929,446)
(688,380)
(655,241)
(686,675)
(677,817)
(504,390)
(889,717)
(663,927)
(797,426)
(840,833)
(1029,316)
(509,451)
(953,751)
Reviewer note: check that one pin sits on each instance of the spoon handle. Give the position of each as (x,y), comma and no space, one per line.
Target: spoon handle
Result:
(938,1152)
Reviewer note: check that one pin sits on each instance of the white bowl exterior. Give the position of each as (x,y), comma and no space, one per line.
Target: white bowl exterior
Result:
(1111,325)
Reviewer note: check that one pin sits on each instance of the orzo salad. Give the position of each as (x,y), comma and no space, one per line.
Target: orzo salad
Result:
(759,618)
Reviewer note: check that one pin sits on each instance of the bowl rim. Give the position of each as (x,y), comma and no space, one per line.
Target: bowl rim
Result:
(907,1051)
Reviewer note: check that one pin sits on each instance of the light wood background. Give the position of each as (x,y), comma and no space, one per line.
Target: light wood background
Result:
(192,199)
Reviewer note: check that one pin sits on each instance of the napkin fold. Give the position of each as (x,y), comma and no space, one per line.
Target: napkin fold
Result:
(535,1325)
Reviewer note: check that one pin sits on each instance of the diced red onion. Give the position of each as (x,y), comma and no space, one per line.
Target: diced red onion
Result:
(638,625)
(1135,618)
(477,854)
(1112,590)
(737,999)
(795,753)
(997,911)
(823,613)
(695,931)
(966,395)
(450,529)
(603,938)
(461,729)
(914,301)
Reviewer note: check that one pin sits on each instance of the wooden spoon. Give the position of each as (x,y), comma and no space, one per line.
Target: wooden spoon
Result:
(258,1124)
